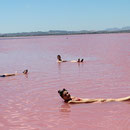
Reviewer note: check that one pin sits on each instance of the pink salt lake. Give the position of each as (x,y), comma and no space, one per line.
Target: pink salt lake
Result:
(32,102)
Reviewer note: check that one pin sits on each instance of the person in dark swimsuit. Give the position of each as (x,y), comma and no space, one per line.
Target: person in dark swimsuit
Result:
(69,99)
(13,74)
(59,59)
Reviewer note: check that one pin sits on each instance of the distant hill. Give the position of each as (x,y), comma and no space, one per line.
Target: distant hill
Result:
(126,28)
(118,29)
(64,32)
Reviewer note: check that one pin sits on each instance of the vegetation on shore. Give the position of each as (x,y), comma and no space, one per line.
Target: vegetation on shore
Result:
(60,32)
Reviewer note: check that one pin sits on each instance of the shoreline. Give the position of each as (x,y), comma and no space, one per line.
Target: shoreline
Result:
(26,34)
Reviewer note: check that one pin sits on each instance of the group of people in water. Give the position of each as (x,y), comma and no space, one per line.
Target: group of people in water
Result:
(59,59)
(65,94)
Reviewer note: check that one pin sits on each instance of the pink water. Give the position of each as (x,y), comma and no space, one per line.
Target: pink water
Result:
(32,102)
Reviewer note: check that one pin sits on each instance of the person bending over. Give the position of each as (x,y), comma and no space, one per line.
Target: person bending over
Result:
(59,59)
(69,99)
(13,74)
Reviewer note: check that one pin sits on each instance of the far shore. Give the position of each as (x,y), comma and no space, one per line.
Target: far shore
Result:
(50,33)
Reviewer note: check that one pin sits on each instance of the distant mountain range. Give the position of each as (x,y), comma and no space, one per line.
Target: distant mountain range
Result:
(118,29)
(64,32)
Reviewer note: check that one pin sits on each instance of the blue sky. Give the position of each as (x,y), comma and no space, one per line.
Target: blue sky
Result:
(45,15)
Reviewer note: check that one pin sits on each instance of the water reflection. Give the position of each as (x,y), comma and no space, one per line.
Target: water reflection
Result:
(26,76)
(65,108)
(79,64)
(59,66)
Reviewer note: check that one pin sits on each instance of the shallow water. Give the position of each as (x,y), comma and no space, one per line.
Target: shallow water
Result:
(32,102)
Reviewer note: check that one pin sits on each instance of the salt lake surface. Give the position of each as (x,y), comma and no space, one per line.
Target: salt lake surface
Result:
(32,102)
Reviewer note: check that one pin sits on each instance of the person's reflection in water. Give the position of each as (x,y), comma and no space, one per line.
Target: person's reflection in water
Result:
(59,68)
(80,64)
(65,108)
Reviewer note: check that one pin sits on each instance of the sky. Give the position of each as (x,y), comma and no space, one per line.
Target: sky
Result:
(72,15)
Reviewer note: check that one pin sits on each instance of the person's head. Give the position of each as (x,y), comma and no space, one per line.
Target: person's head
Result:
(25,71)
(65,95)
(59,57)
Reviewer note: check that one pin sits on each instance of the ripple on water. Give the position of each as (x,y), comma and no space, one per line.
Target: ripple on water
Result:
(32,102)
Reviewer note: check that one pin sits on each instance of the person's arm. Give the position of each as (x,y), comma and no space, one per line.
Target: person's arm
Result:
(123,99)
(6,75)
(87,101)
(118,99)
(100,100)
